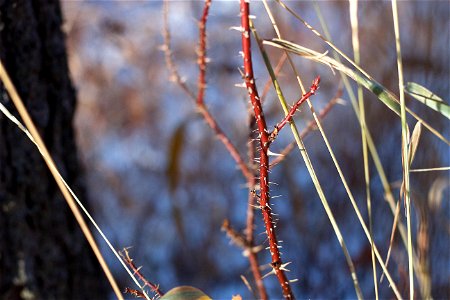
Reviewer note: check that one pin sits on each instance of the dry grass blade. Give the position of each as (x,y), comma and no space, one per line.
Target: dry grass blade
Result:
(430,169)
(414,143)
(363,125)
(404,150)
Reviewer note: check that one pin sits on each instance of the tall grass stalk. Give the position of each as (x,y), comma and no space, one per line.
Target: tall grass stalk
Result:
(405,146)
(389,197)
(363,125)
(306,158)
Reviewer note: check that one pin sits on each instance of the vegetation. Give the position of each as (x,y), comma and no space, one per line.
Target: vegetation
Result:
(375,168)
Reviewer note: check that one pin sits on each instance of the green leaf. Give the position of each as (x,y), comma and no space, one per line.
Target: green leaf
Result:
(428,98)
(185,293)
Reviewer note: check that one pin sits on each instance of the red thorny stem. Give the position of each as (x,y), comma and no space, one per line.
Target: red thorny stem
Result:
(288,117)
(264,141)
(311,125)
(201,60)
(249,231)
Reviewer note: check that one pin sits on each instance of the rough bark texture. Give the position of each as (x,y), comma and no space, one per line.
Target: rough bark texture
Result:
(43,254)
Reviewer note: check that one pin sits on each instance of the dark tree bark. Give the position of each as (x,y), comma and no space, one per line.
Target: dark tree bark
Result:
(43,254)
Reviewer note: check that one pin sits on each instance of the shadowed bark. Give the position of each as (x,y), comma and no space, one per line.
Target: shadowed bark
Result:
(43,254)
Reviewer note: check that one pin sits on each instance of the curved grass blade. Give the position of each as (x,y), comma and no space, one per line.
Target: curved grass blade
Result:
(386,96)
(382,93)
(428,98)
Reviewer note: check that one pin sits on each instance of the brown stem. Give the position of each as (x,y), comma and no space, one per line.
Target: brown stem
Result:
(201,55)
(225,140)
(201,85)
(264,141)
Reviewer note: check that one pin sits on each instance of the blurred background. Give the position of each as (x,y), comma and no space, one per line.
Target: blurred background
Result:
(160,181)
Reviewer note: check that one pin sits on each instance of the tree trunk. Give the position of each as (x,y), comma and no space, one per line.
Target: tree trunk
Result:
(43,254)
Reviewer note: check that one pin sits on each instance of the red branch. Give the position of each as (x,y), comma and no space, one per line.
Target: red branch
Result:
(294,108)
(311,125)
(249,231)
(264,141)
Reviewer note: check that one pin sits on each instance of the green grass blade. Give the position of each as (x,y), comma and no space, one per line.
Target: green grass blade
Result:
(428,98)
(381,92)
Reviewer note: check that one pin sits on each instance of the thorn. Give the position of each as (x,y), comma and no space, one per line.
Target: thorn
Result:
(238,28)
(268,274)
(283,266)
(341,101)
(270,153)
(247,284)
(241,72)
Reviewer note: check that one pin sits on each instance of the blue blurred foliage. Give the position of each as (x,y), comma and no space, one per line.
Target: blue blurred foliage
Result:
(129,111)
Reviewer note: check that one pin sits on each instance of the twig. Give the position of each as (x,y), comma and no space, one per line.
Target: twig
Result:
(174,75)
(136,293)
(294,108)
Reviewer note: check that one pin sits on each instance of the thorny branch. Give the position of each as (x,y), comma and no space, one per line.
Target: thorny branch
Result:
(294,108)
(311,125)
(249,230)
(264,142)
(153,287)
